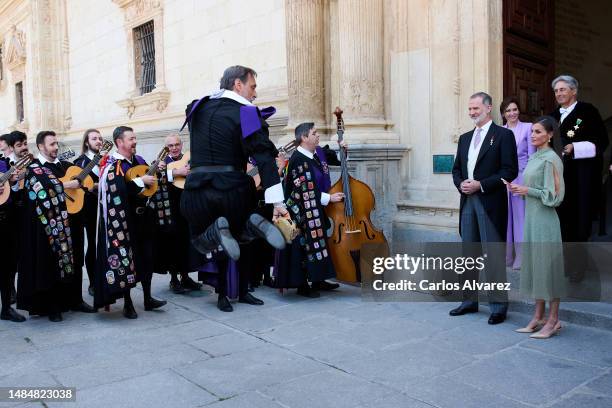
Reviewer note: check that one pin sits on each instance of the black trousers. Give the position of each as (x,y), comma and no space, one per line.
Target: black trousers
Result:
(201,207)
(9,265)
(143,232)
(89,220)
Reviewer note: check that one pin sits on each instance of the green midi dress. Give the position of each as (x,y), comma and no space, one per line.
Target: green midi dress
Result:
(542,272)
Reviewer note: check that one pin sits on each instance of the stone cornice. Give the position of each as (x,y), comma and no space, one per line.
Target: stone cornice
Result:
(157,100)
(375,151)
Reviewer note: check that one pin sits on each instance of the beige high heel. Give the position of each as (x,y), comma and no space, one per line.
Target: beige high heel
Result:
(528,329)
(554,332)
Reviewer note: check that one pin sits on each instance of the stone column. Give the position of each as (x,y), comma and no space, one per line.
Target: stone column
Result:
(360,63)
(305,62)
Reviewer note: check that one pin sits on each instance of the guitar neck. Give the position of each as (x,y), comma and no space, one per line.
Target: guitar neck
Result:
(87,169)
(6,176)
(153,168)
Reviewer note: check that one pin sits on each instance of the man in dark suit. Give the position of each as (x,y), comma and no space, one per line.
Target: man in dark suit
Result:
(485,156)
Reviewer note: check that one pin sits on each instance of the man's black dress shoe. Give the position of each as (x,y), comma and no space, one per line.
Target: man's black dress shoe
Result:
(152,303)
(250,299)
(323,285)
(258,227)
(83,308)
(55,317)
(224,304)
(177,287)
(190,284)
(12,315)
(129,312)
(307,292)
(497,318)
(217,234)
(460,311)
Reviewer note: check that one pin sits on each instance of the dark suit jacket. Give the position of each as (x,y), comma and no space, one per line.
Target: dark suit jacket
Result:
(497,159)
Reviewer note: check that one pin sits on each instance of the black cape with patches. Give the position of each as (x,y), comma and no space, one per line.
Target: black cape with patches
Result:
(308,257)
(45,286)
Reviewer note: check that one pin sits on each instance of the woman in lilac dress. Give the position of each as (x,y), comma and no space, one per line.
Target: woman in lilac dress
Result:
(510,111)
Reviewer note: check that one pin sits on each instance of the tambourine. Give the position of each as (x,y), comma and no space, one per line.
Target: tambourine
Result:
(287,228)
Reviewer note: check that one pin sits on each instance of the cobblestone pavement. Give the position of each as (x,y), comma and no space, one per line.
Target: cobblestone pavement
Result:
(336,351)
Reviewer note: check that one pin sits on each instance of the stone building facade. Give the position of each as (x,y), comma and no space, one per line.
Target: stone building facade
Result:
(401,70)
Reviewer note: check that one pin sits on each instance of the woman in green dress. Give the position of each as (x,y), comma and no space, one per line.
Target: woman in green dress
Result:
(542,274)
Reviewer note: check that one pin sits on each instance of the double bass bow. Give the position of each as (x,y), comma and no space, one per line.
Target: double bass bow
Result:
(352,227)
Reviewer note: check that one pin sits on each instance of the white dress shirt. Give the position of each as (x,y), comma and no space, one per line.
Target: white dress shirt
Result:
(43,160)
(325,197)
(96,168)
(475,150)
(566,111)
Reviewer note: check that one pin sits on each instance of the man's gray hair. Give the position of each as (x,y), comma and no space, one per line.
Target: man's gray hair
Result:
(486,98)
(235,72)
(568,79)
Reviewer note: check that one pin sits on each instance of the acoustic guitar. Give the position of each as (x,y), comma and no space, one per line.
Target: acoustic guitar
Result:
(4,178)
(144,170)
(75,197)
(284,151)
(179,181)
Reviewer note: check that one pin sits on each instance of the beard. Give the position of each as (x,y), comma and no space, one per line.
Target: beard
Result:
(479,118)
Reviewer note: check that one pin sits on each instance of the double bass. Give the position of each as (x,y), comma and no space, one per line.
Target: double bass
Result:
(352,227)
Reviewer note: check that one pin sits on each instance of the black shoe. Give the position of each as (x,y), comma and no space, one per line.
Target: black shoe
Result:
(497,318)
(13,295)
(258,227)
(306,291)
(152,303)
(83,308)
(323,285)
(460,311)
(190,284)
(55,317)
(129,312)
(12,315)
(217,234)
(224,305)
(90,290)
(177,287)
(250,299)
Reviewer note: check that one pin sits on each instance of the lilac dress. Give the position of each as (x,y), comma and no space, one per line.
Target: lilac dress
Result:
(516,203)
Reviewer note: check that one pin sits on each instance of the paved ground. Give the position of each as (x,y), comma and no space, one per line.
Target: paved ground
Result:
(336,351)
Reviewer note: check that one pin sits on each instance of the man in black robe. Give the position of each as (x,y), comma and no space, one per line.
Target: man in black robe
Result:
(307,183)
(125,230)
(219,198)
(18,142)
(584,138)
(50,281)
(90,147)
(8,245)
(172,231)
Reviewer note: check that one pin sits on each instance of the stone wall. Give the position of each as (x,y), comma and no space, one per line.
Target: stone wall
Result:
(583,48)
